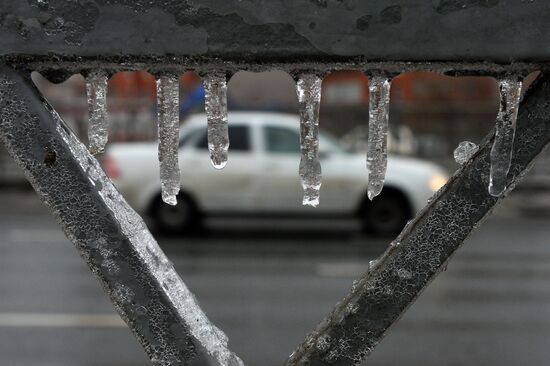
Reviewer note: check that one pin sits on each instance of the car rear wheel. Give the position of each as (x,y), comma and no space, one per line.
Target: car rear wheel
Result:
(183,218)
(387,214)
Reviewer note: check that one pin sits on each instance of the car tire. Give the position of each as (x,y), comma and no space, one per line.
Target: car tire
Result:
(387,214)
(183,218)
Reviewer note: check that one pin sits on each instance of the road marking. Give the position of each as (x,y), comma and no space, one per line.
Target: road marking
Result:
(341,269)
(60,320)
(37,236)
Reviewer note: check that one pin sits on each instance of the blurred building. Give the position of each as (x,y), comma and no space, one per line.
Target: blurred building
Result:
(430,114)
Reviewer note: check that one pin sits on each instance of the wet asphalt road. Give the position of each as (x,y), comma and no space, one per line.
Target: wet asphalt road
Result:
(267,287)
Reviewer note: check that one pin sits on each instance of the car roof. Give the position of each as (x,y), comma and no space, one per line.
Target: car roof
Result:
(249,118)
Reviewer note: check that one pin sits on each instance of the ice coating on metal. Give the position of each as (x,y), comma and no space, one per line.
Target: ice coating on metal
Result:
(215,102)
(212,338)
(168,130)
(377,151)
(308,88)
(501,153)
(464,152)
(98,124)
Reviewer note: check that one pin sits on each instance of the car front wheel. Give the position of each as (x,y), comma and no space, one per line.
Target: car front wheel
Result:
(183,218)
(387,214)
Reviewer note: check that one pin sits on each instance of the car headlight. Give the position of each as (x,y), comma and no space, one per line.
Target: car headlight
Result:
(437,181)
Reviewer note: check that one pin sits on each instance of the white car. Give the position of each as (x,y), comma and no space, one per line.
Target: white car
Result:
(261,177)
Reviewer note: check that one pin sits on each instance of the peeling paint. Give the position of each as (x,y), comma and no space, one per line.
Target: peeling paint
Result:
(391,15)
(362,23)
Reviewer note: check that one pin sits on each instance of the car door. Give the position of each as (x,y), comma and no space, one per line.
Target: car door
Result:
(232,188)
(281,181)
(344,176)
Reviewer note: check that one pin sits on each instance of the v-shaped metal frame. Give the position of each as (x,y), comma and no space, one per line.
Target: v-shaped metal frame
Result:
(59,37)
(150,296)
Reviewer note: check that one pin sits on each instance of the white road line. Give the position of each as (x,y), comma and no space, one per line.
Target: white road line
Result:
(341,269)
(37,236)
(60,320)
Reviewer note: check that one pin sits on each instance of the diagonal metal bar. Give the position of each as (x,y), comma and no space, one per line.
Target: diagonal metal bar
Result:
(110,236)
(377,300)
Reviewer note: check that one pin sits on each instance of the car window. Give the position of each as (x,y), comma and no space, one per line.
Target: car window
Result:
(239,139)
(329,143)
(184,140)
(281,140)
(286,140)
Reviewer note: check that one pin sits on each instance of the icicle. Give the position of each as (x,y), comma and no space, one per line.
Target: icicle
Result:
(501,153)
(168,129)
(465,151)
(215,94)
(377,151)
(309,97)
(98,125)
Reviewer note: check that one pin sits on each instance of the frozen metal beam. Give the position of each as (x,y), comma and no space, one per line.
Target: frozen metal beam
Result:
(377,300)
(502,31)
(112,239)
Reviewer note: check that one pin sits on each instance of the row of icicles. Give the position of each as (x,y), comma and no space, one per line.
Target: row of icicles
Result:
(308,88)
